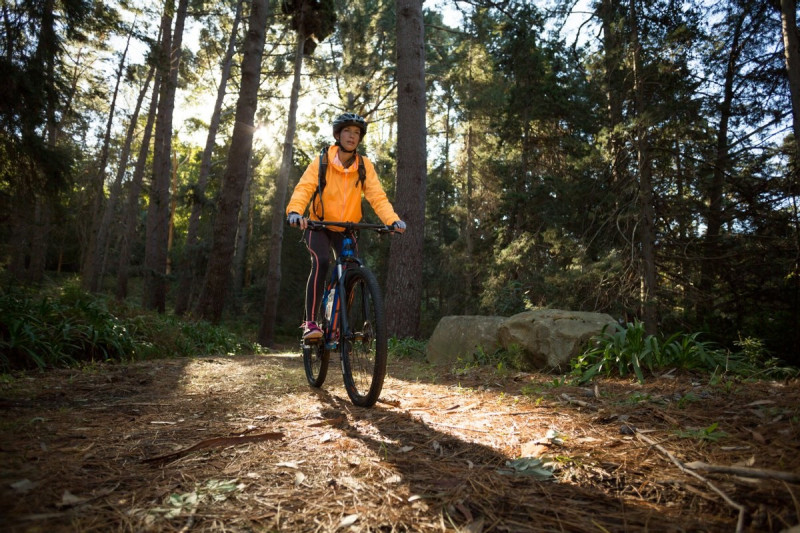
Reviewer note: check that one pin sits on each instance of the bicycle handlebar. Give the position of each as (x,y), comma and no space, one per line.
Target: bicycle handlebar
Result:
(350,226)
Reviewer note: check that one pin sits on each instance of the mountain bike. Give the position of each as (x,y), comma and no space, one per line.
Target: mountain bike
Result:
(351,317)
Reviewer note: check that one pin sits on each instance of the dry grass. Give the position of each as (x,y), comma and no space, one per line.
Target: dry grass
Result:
(431,456)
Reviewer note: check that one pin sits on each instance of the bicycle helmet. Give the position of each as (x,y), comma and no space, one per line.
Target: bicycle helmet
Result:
(349,119)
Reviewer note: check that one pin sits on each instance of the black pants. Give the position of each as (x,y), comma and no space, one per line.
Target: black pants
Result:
(322,245)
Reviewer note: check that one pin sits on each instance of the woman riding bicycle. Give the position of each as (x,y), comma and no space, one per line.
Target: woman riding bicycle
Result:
(348,176)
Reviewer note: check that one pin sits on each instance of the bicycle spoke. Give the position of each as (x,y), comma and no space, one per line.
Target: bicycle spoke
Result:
(316,356)
(364,350)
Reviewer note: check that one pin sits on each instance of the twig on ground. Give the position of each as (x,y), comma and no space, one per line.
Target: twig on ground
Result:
(687,470)
(213,443)
(743,471)
(580,403)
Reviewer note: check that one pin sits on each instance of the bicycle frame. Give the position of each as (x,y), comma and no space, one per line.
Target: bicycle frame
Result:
(363,343)
(339,307)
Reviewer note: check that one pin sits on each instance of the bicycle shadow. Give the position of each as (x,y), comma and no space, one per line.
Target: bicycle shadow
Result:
(470,485)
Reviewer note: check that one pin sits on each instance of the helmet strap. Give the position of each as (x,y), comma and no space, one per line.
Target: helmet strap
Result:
(341,148)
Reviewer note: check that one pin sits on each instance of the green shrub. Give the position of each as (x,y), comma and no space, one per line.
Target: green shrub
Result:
(628,350)
(407,348)
(625,350)
(502,359)
(61,328)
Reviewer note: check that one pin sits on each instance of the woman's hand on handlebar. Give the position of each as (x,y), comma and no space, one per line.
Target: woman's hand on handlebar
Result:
(295,219)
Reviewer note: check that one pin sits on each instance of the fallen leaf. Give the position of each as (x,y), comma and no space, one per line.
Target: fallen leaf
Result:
(69,499)
(348,520)
(291,464)
(473,527)
(23,485)
(464,511)
(528,466)
(393,403)
(758,437)
(533,449)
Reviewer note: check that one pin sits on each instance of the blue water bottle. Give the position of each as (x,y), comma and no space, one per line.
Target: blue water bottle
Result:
(347,247)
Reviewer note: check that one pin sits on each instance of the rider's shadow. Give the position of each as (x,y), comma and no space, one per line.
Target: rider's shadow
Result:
(469,483)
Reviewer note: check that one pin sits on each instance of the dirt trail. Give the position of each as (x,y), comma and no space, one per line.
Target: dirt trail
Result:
(438,453)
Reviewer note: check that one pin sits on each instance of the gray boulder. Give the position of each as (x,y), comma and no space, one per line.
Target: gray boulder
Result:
(459,337)
(549,338)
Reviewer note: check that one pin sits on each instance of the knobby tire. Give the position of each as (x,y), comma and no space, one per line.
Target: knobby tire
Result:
(364,351)
(317,356)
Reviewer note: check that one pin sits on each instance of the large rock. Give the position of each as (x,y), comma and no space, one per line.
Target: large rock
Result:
(549,338)
(459,337)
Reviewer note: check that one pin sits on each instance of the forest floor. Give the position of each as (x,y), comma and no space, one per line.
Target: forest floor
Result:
(243,444)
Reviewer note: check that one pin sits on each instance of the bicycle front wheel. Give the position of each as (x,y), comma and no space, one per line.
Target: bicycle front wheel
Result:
(365,346)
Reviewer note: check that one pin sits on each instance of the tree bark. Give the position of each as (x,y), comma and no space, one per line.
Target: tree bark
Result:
(116,188)
(155,272)
(266,335)
(243,231)
(39,238)
(217,278)
(129,223)
(610,20)
(646,210)
(791,51)
(187,271)
(92,267)
(714,214)
(404,278)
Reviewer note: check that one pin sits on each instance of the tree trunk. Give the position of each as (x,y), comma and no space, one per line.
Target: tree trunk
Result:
(714,214)
(217,278)
(39,237)
(242,233)
(470,273)
(130,218)
(92,267)
(187,271)
(266,335)
(791,50)
(646,210)
(173,205)
(404,278)
(116,188)
(34,206)
(155,267)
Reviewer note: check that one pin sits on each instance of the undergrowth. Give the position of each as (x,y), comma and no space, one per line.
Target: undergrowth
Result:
(628,350)
(64,326)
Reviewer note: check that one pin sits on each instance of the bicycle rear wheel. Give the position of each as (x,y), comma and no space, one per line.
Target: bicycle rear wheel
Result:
(365,348)
(315,360)
(316,356)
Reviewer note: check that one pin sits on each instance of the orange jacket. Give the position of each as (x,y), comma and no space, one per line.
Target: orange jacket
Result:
(342,195)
